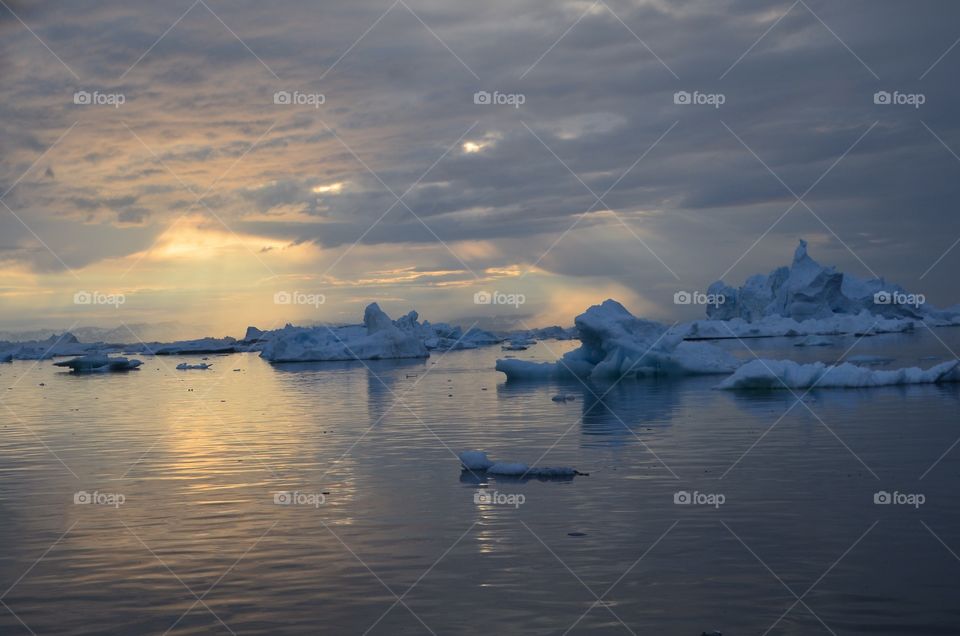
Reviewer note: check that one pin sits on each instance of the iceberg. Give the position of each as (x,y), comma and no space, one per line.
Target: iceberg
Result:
(786,374)
(809,291)
(615,344)
(98,363)
(378,339)
(478,461)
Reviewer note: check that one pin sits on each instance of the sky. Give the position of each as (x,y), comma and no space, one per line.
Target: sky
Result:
(221,164)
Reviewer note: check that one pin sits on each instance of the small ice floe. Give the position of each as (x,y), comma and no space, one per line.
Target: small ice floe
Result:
(478,461)
(787,374)
(98,363)
(564,398)
(183,366)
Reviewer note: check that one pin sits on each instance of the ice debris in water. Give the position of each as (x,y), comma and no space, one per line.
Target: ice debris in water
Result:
(787,374)
(98,363)
(478,461)
(184,366)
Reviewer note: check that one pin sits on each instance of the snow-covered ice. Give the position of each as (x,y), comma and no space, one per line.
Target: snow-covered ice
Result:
(616,343)
(787,374)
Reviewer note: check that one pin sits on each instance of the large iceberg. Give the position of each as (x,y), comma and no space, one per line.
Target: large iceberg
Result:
(787,374)
(377,339)
(615,343)
(808,291)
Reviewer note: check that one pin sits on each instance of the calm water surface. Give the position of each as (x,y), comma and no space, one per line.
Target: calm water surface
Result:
(199,546)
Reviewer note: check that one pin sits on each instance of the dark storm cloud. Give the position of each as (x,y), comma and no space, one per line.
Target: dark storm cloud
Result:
(800,99)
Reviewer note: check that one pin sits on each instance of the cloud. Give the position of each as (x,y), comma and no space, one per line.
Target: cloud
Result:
(698,185)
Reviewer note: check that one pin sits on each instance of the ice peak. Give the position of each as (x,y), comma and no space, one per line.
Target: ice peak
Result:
(374,319)
(800,254)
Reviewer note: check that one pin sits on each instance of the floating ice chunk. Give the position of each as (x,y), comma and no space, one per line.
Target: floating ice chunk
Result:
(617,344)
(478,461)
(783,374)
(184,366)
(475,460)
(98,362)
